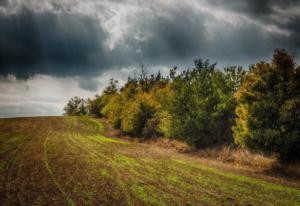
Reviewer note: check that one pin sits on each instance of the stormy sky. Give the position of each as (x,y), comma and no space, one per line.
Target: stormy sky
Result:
(51,50)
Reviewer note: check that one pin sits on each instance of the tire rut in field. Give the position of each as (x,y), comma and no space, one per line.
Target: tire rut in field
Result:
(26,182)
(8,168)
(102,159)
(134,179)
(57,184)
(14,154)
(69,168)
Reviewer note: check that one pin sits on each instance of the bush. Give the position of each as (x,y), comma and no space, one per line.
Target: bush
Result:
(136,114)
(164,126)
(113,109)
(151,128)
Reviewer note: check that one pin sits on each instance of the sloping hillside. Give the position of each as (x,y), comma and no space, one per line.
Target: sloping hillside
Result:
(66,161)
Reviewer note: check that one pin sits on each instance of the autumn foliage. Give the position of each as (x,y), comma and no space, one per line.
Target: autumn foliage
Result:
(268,111)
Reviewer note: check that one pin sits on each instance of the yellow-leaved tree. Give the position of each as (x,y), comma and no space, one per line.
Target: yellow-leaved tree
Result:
(268,111)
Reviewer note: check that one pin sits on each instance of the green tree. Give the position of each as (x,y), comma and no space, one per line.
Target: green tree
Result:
(202,107)
(76,106)
(268,111)
(111,88)
(113,109)
(95,106)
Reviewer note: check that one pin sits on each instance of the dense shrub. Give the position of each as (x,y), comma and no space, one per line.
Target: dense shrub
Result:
(164,126)
(202,107)
(268,111)
(113,108)
(151,128)
(95,106)
(136,113)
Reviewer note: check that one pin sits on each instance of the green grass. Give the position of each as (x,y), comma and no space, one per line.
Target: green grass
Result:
(67,160)
(104,172)
(91,123)
(104,139)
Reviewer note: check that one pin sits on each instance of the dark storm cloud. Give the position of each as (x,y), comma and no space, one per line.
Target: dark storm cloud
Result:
(159,39)
(51,43)
(255,8)
(184,35)
(3,3)
(30,40)
(61,41)
(283,14)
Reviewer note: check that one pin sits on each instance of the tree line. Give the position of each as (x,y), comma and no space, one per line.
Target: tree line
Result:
(258,108)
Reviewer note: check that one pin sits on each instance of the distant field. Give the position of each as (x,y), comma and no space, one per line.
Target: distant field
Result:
(66,161)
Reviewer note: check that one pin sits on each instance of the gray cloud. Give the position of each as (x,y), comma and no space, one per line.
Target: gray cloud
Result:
(281,16)
(86,38)
(255,8)
(48,43)
(185,34)
(38,95)
(3,3)
(88,84)
(165,39)
(25,110)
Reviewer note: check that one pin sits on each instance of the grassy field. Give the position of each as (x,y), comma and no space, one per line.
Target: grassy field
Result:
(67,161)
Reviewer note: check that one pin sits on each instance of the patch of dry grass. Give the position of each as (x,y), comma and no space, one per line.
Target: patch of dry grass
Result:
(168,144)
(240,157)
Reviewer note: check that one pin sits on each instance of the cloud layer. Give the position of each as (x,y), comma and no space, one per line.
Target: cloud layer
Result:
(69,38)
(44,95)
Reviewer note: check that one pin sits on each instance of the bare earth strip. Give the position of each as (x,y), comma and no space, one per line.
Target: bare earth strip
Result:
(66,161)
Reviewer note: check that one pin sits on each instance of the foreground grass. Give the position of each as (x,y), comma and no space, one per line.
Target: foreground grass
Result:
(66,161)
